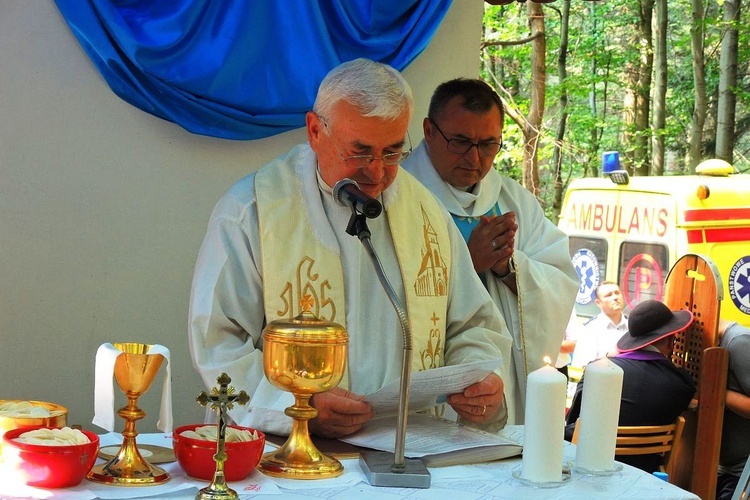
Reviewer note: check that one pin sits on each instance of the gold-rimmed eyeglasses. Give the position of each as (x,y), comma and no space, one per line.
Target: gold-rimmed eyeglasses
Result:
(486,149)
(362,161)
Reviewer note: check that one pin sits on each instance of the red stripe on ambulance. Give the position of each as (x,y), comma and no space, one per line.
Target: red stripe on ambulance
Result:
(717,214)
(695,236)
(727,235)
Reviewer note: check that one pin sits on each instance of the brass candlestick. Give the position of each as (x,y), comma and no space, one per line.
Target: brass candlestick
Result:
(135,370)
(221,400)
(303,356)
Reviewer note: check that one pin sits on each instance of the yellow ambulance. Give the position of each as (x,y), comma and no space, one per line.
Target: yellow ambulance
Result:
(631,230)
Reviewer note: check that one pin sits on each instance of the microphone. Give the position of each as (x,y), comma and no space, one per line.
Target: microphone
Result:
(346,193)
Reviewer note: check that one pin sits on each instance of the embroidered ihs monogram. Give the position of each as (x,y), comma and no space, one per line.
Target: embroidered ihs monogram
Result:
(432,279)
(306,284)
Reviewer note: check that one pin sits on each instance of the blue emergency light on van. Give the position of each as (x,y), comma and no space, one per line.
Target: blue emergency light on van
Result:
(610,162)
(612,169)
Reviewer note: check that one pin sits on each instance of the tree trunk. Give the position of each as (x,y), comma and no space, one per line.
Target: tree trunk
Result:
(660,89)
(728,83)
(641,88)
(700,107)
(636,100)
(562,71)
(532,129)
(592,159)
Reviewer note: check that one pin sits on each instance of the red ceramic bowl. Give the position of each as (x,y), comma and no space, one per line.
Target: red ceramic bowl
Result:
(196,456)
(49,466)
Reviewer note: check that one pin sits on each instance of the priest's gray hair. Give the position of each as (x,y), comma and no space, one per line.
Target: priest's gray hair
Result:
(373,88)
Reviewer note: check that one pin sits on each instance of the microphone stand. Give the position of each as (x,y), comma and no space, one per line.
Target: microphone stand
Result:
(380,467)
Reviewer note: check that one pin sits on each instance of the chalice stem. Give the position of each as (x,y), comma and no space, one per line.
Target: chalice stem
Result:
(299,440)
(301,412)
(298,457)
(131,413)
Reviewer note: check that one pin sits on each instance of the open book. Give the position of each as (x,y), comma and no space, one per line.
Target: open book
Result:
(438,442)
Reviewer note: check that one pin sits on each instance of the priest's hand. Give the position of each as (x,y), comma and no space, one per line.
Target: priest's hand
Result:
(492,242)
(340,413)
(479,402)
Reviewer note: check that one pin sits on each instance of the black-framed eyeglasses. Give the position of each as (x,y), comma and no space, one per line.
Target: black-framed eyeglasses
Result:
(486,149)
(361,161)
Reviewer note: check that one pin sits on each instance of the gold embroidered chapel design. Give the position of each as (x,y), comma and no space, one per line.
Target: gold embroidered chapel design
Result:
(433,273)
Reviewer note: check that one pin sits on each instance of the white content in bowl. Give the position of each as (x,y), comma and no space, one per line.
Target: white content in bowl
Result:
(22,409)
(208,433)
(54,437)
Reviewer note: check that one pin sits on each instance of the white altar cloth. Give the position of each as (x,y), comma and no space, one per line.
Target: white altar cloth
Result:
(480,481)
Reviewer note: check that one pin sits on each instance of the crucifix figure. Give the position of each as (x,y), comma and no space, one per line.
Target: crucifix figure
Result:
(221,400)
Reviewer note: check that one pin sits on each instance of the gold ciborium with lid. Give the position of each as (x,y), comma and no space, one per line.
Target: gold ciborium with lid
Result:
(304,356)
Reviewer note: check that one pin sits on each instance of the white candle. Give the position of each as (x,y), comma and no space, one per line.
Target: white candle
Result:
(600,412)
(544,425)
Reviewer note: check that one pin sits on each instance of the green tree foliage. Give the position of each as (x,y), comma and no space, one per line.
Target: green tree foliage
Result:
(600,50)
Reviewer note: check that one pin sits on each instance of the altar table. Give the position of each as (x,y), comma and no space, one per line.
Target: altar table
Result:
(479,481)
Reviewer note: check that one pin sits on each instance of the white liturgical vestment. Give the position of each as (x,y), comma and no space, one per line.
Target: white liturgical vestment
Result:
(227,311)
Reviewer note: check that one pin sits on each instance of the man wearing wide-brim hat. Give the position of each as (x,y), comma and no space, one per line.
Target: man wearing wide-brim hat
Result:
(654,390)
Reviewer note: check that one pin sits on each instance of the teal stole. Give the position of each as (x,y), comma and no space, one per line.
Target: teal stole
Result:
(467,224)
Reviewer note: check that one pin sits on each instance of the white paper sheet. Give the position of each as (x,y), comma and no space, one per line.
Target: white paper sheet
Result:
(431,387)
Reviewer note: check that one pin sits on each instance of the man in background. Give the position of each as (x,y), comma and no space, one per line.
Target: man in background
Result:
(654,390)
(522,258)
(735,435)
(600,334)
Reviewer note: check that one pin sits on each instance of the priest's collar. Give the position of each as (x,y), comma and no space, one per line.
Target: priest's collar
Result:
(482,198)
(321,183)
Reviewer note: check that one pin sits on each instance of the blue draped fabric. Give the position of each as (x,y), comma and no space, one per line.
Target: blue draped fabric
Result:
(241,69)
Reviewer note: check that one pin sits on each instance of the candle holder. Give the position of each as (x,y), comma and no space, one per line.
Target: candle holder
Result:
(597,472)
(564,478)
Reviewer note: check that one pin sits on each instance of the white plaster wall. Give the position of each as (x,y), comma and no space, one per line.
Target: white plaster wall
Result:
(103,208)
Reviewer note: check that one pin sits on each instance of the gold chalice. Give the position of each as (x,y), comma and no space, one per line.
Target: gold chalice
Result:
(303,356)
(135,370)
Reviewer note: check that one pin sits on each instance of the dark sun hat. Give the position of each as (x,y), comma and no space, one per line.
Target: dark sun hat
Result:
(650,321)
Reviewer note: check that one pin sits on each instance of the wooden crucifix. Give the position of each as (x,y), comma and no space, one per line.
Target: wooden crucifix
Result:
(221,400)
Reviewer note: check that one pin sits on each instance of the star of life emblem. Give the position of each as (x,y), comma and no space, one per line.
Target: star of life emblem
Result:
(739,284)
(587,267)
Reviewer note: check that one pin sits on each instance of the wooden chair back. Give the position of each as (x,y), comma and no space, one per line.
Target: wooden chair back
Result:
(647,440)
(694,284)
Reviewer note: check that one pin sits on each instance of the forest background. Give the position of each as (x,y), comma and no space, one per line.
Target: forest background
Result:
(665,83)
